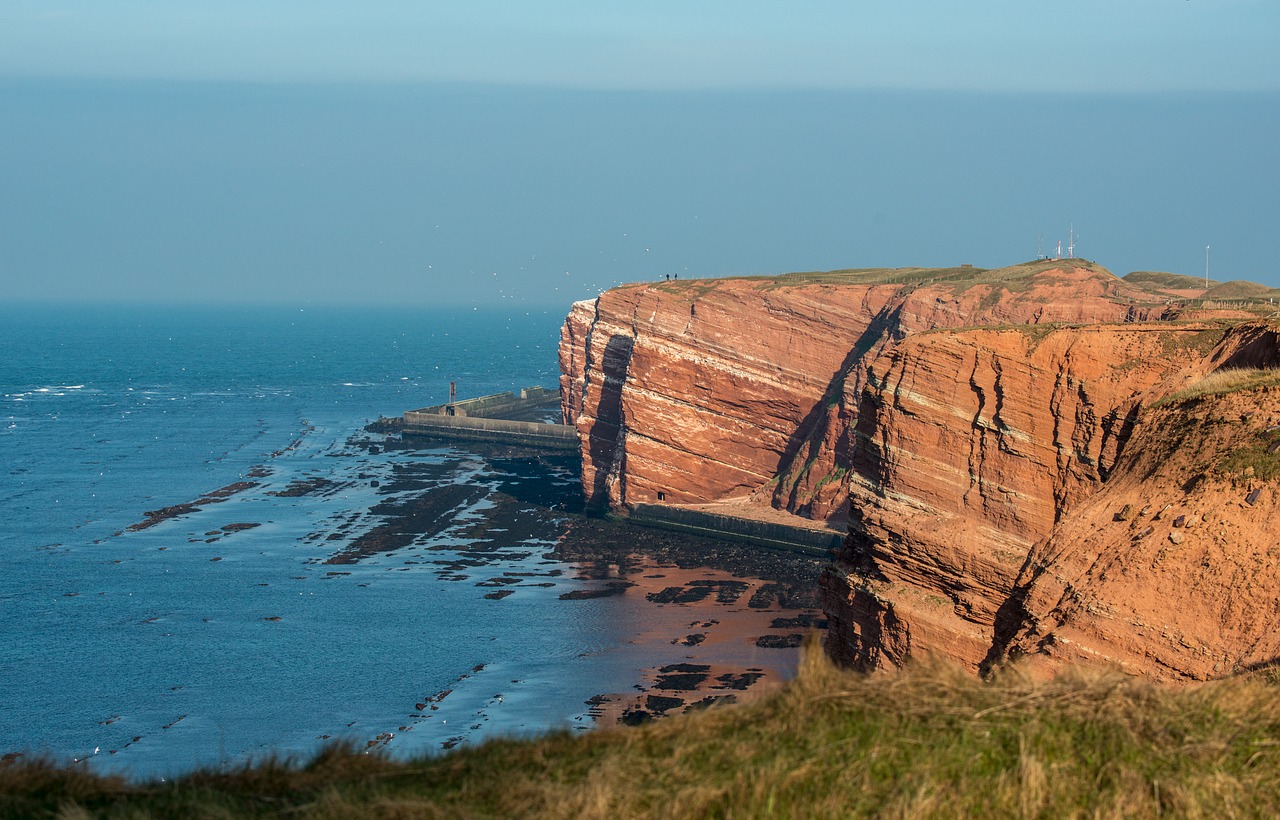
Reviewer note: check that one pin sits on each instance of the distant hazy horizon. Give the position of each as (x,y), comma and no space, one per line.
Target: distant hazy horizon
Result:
(469,194)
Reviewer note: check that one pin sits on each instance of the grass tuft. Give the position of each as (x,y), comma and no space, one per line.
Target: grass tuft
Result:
(1224,381)
(927,740)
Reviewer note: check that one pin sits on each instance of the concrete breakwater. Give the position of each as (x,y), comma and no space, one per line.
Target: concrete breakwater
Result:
(467,428)
(493,418)
(508,405)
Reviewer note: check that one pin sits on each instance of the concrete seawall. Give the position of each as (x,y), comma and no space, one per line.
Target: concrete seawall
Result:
(468,428)
(494,419)
(498,405)
(762,533)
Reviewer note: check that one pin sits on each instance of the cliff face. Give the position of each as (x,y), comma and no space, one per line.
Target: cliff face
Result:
(973,446)
(1171,570)
(1026,506)
(704,391)
(972,440)
(716,389)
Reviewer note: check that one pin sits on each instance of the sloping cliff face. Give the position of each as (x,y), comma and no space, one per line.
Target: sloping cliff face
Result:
(1172,569)
(986,527)
(973,439)
(973,445)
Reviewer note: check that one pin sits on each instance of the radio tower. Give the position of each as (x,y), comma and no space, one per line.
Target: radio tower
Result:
(1071,242)
(1206,267)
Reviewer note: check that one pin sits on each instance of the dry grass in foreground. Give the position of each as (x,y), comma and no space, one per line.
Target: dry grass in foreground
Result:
(930,741)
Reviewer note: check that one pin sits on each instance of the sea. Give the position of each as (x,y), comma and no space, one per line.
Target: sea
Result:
(207,559)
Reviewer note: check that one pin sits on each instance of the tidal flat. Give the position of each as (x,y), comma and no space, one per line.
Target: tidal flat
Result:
(399,596)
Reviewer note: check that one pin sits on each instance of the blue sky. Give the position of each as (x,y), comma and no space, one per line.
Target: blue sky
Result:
(522,153)
(985,45)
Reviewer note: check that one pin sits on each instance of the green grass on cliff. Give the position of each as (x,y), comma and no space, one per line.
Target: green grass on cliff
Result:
(1238,289)
(931,741)
(1160,279)
(877,276)
(961,277)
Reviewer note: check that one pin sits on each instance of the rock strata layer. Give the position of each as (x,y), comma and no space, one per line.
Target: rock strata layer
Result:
(971,426)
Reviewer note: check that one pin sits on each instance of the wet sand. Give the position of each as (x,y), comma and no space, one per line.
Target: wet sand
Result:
(736,615)
(727,619)
(717,622)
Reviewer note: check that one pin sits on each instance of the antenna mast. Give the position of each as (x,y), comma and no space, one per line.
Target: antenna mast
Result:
(1206,267)
(1071,241)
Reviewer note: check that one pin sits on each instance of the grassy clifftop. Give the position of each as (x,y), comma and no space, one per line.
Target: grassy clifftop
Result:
(964,275)
(1160,279)
(1142,289)
(930,740)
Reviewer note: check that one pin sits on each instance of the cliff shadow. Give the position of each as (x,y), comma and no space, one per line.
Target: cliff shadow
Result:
(1269,667)
(603,451)
(1260,351)
(1009,619)
(805,444)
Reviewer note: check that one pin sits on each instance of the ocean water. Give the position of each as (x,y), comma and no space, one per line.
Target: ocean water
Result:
(250,621)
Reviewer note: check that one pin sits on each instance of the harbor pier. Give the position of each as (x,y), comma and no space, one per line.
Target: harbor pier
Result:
(495,418)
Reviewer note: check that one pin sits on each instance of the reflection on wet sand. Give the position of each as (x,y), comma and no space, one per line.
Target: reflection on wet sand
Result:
(713,629)
(720,622)
(724,621)
(655,622)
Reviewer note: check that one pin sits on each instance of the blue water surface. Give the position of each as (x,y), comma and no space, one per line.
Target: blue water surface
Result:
(155,650)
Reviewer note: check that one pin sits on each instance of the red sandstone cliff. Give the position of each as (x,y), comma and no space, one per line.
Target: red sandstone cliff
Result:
(710,389)
(964,427)
(705,390)
(1171,569)
(974,445)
